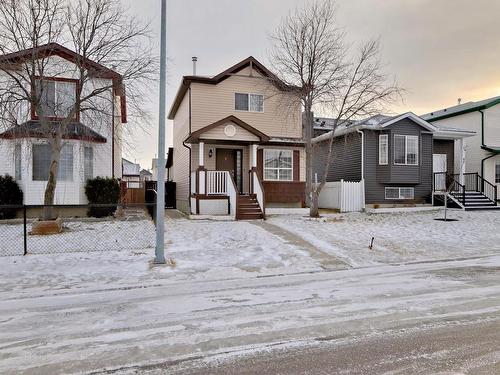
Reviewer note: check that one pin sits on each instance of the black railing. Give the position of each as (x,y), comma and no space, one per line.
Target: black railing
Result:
(470,181)
(475,182)
(446,183)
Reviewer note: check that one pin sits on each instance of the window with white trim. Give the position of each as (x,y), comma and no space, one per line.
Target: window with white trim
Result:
(57,98)
(383,149)
(278,165)
(42,158)
(249,102)
(17,162)
(399,193)
(497,173)
(405,149)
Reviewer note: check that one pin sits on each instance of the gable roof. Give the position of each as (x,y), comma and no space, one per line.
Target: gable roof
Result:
(249,61)
(195,136)
(461,109)
(55,49)
(377,122)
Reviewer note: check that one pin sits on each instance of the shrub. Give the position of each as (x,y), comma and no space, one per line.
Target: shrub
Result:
(10,194)
(101,190)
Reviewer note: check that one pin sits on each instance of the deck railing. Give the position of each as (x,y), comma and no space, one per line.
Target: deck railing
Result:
(217,182)
(475,182)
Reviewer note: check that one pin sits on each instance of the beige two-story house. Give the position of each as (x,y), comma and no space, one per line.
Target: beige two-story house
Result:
(237,143)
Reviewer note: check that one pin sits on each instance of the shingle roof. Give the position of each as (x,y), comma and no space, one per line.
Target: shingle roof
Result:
(461,109)
(33,129)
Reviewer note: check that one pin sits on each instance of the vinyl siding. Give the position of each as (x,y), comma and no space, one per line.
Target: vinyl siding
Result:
(346,159)
(210,103)
(181,173)
(218,134)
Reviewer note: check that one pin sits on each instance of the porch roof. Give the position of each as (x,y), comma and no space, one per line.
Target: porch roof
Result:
(197,136)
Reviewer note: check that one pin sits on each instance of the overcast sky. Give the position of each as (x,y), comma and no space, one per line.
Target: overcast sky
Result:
(438,50)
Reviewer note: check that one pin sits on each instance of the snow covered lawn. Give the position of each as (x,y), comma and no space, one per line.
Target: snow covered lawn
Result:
(398,237)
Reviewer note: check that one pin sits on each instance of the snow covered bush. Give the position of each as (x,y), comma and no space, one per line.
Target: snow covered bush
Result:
(10,194)
(101,190)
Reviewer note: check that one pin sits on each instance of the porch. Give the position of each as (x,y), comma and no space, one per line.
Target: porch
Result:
(224,181)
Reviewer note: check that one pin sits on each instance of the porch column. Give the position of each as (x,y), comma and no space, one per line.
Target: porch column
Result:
(254,155)
(201,154)
(462,161)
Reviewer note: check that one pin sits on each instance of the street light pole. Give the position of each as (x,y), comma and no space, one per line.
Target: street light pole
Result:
(160,197)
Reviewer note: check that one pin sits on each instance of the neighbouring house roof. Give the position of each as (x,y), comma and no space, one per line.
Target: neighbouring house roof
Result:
(55,49)
(195,136)
(33,129)
(130,169)
(145,172)
(461,109)
(249,61)
(377,122)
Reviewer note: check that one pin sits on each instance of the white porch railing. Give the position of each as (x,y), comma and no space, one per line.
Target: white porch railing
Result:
(217,182)
(346,196)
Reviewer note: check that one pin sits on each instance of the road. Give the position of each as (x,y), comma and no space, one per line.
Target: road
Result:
(455,348)
(366,320)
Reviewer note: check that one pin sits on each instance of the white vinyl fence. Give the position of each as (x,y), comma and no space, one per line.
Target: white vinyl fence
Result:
(346,196)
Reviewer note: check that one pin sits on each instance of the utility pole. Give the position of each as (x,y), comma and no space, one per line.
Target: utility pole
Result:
(160,197)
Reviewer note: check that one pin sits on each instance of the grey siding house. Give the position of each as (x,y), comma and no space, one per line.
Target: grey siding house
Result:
(396,156)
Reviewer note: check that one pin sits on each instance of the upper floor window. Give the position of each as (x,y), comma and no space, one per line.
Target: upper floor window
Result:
(383,149)
(405,149)
(278,165)
(57,97)
(249,102)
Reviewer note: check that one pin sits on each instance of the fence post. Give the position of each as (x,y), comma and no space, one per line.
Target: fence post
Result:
(25,231)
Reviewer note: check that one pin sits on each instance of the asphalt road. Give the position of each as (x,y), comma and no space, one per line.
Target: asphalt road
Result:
(457,347)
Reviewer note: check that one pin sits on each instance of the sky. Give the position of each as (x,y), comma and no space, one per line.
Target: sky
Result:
(438,50)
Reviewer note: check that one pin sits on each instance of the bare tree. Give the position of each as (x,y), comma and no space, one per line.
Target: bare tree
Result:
(113,51)
(311,56)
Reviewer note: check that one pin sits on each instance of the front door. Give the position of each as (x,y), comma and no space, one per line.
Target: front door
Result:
(232,161)
(439,165)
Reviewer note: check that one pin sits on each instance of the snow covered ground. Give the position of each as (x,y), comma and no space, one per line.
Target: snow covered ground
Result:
(242,287)
(398,237)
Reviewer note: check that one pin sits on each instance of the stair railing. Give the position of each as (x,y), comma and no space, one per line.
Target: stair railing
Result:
(487,189)
(447,183)
(257,188)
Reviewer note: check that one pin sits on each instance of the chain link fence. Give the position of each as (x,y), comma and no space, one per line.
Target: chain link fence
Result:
(130,227)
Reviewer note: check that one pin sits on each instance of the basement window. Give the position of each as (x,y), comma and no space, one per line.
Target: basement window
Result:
(399,193)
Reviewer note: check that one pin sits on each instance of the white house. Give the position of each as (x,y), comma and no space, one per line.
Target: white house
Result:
(483,149)
(92,144)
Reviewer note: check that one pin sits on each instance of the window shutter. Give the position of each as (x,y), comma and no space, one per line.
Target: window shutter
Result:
(296,165)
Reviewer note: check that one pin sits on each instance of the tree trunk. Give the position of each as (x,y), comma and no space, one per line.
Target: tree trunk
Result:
(314,207)
(307,130)
(50,189)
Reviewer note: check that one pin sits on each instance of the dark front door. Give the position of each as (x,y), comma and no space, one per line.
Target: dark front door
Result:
(232,161)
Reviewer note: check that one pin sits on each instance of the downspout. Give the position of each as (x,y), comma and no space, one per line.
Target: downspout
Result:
(362,164)
(189,148)
(362,153)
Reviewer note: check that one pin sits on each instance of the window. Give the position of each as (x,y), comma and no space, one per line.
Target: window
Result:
(41,163)
(383,149)
(57,98)
(406,149)
(497,173)
(278,165)
(17,162)
(249,102)
(88,163)
(399,193)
